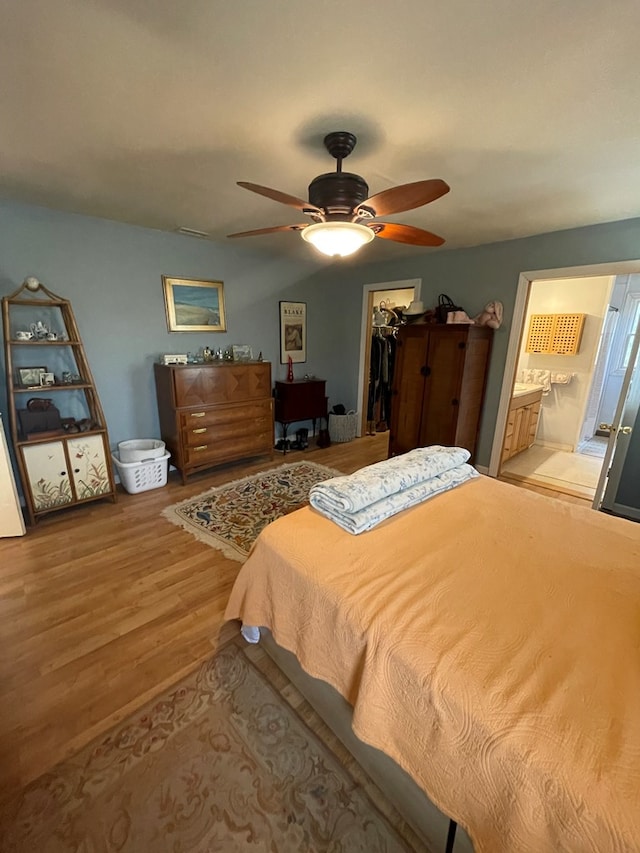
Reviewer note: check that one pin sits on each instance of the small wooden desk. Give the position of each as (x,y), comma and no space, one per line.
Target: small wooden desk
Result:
(300,400)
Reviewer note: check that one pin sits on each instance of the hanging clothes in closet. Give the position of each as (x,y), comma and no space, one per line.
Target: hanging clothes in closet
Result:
(383,351)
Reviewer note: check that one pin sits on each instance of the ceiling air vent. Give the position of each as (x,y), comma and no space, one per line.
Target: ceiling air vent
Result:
(192,232)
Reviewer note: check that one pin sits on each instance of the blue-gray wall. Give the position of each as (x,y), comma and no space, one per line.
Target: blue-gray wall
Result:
(473,277)
(112,274)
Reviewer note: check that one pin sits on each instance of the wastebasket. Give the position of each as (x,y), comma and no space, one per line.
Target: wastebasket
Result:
(343,427)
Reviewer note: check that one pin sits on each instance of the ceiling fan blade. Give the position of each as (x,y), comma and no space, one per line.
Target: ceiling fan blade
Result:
(269,230)
(406,234)
(404,197)
(283,198)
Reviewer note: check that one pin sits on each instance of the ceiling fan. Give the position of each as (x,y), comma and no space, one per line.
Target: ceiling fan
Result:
(344,215)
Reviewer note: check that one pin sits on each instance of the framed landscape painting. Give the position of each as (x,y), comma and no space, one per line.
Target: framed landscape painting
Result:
(193,305)
(293,332)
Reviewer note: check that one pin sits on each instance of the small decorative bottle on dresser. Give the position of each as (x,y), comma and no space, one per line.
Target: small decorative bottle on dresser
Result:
(214,413)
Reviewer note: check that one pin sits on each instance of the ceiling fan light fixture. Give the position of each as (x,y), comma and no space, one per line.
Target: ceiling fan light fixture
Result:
(337,238)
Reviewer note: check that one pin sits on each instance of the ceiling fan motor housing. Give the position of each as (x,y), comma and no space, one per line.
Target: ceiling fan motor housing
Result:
(338,193)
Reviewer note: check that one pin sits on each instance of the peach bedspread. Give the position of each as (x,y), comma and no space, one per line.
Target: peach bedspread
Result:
(489,642)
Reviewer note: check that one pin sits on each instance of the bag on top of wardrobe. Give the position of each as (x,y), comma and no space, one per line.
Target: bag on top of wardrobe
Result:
(445,304)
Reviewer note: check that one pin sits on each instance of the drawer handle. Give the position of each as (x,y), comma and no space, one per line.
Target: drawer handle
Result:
(196,431)
(201,447)
(197,414)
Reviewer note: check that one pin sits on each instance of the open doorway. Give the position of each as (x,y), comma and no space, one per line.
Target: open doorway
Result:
(379,301)
(557,408)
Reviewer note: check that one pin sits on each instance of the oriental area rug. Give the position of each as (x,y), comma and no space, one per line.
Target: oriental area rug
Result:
(222,762)
(230,517)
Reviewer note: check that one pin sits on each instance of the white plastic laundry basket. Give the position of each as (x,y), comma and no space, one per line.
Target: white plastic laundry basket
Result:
(142,476)
(140,449)
(343,427)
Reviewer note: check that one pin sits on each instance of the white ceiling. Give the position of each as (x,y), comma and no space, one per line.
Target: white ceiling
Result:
(149,111)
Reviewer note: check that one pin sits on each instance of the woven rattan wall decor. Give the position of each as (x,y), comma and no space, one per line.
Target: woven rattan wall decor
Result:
(555,334)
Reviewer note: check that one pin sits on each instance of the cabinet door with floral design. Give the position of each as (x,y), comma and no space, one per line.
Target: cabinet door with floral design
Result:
(88,466)
(48,475)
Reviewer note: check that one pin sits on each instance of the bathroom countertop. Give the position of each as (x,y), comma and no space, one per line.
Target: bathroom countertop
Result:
(521,388)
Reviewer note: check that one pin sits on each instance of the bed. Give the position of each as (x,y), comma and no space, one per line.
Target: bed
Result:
(488,640)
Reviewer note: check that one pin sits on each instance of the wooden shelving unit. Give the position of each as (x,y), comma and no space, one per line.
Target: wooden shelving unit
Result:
(70,464)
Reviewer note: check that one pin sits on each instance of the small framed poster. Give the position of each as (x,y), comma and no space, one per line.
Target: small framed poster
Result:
(293,332)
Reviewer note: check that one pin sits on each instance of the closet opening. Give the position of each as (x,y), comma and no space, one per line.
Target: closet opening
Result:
(381,312)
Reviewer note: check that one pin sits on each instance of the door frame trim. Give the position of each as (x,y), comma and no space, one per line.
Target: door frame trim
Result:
(365,327)
(517,329)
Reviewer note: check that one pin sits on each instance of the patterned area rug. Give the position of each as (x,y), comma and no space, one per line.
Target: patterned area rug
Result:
(220,763)
(231,516)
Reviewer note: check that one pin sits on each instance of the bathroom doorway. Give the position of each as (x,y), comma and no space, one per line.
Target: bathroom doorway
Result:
(553,427)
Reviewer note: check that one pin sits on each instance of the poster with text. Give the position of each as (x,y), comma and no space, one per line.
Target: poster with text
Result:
(293,332)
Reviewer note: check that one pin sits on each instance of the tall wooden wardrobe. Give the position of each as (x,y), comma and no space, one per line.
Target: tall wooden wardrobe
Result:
(439,384)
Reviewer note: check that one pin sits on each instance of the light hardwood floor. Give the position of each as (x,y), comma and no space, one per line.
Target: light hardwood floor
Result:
(105,605)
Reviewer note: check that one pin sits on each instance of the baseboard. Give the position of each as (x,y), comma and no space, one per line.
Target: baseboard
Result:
(553,445)
(574,490)
(481,469)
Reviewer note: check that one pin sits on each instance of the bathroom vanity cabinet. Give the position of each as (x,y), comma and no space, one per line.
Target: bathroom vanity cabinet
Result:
(522,422)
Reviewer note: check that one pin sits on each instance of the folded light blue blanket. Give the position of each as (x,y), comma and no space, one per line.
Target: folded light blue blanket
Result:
(362,488)
(369,516)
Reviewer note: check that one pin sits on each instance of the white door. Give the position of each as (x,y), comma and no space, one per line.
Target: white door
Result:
(599,376)
(11,521)
(623,436)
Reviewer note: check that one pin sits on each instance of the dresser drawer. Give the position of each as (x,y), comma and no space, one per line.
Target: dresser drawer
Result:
(210,452)
(207,417)
(204,385)
(194,435)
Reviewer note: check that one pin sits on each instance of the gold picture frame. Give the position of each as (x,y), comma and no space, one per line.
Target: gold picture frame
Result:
(194,305)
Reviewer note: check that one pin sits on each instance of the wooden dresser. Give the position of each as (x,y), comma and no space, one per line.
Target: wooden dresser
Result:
(214,413)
